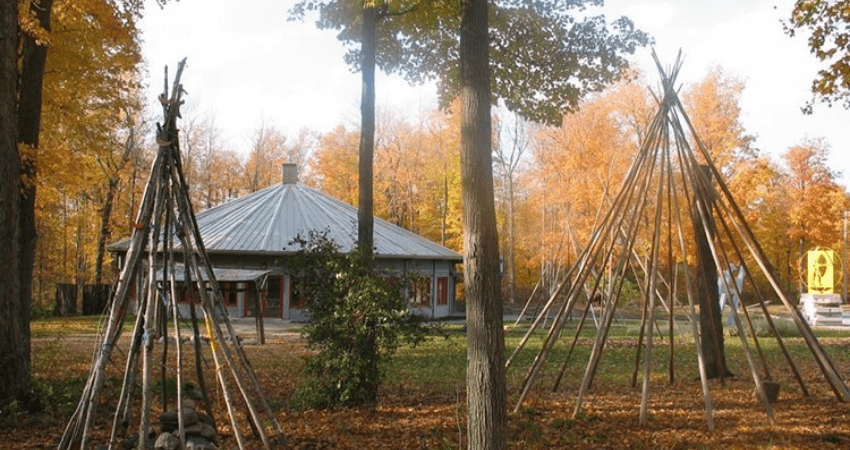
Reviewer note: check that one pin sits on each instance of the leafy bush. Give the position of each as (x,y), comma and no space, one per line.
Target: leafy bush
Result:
(785,327)
(359,317)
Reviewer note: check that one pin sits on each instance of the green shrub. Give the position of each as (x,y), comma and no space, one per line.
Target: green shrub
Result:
(359,317)
(785,327)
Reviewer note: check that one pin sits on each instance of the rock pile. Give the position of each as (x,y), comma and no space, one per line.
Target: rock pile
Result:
(200,432)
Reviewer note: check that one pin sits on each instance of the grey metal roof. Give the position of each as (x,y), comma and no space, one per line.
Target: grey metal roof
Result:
(266,221)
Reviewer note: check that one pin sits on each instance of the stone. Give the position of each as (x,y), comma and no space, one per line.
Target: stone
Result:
(208,432)
(189,403)
(168,420)
(189,416)
(193,392)
(199,443)
(771,389)
(206,419)
(203,430)
(131,442)
(167,441)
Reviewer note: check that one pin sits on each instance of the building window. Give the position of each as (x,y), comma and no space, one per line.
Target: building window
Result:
(442,291)
(189,295)
(252,300)
(420,292)
(229,293)
(274,297)
(297,298)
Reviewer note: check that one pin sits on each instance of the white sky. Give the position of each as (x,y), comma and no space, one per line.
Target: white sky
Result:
(247,63)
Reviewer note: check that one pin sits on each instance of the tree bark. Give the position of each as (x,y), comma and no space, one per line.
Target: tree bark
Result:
(510,264)
(111,189)
(365,210)
(105,229)
(710,317)
(33,60)
(486,390)
(14,349)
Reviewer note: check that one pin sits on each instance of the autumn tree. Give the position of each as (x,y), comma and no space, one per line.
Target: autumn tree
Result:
(440,215)
(579,166)
(417,177)
(816,202)
(91,73)
(760,189)
(302,147)
(35,34)
(401,159)
(713,106)
(513,139)
(266,157)
(334,165)
(130,139)
(192,129)
(826,21)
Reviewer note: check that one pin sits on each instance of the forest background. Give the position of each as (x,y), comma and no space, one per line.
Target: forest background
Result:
(97,145)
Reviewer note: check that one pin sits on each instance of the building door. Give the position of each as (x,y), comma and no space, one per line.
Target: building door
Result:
(273,300)
(442,307)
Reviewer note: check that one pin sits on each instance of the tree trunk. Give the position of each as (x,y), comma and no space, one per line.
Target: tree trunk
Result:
(105,229)
(106,212)
(710,317)
(33,60)
(486,390)
(14,348)
(510,264)
(365,216)
(801,265)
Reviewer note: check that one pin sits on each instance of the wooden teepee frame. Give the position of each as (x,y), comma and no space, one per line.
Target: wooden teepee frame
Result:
(166,218)
(665,167)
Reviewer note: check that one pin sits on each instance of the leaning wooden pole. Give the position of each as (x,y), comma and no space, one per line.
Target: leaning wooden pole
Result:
(192,223)
(191,229)
(825,363)
(703,373)
(165,208)
(528,302)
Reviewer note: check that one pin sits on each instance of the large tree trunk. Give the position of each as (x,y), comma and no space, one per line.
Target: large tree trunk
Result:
(14,348)
(365,215)
(486,390)
(33,61)
(710,317)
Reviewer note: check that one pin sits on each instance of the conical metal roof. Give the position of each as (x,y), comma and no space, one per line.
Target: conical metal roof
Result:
(266,221)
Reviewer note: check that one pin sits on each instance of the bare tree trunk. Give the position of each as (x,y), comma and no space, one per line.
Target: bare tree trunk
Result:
(111,189)
(486,390)
(365,215)
(105,230)
(14,350)
(510,264)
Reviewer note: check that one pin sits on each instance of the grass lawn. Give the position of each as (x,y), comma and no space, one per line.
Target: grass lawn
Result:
(423,400)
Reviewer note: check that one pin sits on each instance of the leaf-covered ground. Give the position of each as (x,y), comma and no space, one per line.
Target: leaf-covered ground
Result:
(423,401)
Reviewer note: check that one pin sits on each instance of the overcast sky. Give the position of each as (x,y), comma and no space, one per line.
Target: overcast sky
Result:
(247,63)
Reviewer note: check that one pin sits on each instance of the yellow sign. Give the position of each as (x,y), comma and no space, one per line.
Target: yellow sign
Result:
(821,271)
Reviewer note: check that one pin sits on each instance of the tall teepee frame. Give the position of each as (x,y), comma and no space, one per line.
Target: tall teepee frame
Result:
(666,195)
(167,232)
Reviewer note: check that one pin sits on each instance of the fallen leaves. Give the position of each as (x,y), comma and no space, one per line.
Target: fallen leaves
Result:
(422,415)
